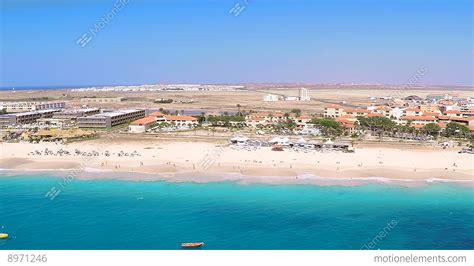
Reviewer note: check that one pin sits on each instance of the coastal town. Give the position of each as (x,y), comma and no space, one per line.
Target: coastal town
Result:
(415,118)
(294,134)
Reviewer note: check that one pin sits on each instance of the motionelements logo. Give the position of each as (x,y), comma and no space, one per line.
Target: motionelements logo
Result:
(86,37)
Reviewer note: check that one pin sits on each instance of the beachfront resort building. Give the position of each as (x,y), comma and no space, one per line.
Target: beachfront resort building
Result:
(142,125)
(25,117)
(73,114)
(109,119)
(181,120)
(453,113)
(467,121)
(356,112)
(265,118)
(416,116)
(156,118)
(333,111)
(302,120)
(432,108)
(349,123)
(381,110)
(16,107)
(412,111)
(55,123)
(418,121)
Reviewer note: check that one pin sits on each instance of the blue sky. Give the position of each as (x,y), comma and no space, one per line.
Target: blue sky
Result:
(192,41)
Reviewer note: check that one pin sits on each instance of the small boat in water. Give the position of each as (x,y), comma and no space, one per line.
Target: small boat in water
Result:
(192,245)
(3,236)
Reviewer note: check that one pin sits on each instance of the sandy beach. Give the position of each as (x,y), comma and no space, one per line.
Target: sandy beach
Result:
(187,161)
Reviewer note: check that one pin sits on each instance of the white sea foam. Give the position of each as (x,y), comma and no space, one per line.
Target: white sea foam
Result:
(238,177)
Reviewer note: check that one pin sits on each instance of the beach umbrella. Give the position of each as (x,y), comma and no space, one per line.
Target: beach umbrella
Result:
(275,140)
(301,140)
(243,139)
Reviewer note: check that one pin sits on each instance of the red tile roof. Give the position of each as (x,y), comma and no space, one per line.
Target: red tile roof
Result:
(277,114)
(303,117)
(157,114)
(375,115)
(453,112)
(180,118)
(346,116)
(344,120)
(144,121)
(462,119)
(419,118)
(435,114)
(357,111)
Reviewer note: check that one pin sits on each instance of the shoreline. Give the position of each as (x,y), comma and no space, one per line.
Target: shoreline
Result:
(64,175)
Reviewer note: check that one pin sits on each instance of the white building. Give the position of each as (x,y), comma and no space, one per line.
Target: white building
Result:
(396,112)
(291,98)
(142,125)
(270,98)
(54,122)
(181,120)
(16,107)
(102,100)
(110,119)
(304,96)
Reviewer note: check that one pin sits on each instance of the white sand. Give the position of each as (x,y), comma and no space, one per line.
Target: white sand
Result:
(205,162)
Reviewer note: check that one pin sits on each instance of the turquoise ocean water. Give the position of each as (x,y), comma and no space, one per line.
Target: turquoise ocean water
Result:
(112,214)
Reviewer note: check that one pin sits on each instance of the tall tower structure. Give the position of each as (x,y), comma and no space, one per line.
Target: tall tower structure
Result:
(304,96)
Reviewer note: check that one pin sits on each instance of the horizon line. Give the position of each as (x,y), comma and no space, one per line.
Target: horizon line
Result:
(39,87)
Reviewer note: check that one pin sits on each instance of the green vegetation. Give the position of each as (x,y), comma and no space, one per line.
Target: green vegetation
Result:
(164,111)
(376,124)
(329,127)
(456,130)
(432,129)
(287,124)
(164,125)
(238,109)
(296,111)
(224,120)
(163,101)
